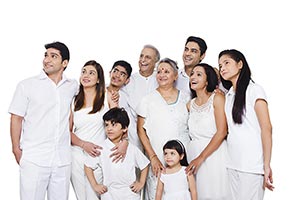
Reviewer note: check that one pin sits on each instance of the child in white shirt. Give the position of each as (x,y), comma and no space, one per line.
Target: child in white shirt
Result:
(119,179)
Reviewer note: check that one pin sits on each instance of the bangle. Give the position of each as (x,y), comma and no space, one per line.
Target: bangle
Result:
(154,155)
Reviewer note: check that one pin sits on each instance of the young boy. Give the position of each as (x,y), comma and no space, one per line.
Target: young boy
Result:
(119,179)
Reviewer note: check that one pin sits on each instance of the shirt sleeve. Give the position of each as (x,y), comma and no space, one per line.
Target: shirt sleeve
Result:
(20,101)
(92,162)
(257,92)
(141,161)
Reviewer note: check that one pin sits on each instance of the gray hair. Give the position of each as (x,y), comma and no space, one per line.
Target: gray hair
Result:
(157,54)
(170,62)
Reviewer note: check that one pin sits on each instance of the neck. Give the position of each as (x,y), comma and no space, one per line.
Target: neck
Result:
(146,73)
(89,96)
(55,77)
(188,70)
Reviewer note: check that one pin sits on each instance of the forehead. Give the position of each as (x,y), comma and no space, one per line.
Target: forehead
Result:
(192,45)
(224,58)
(52,51)
(170,150)
(89,67)
(164,65)
(120,68)
(198,69)
(148,51)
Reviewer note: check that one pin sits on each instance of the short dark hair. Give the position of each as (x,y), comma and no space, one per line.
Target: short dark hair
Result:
(124,64)
(200,42)
(64,51)
(117,115)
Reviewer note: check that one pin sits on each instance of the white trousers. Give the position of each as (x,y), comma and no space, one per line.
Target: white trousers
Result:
(246,186)
(36,181)
(82,187)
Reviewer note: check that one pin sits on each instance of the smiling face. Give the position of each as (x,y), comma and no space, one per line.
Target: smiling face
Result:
(198,78)
(89,77)
(166,75)
(52,63)
(229,68)
(147,61)
(191,55)
(172,158)
(118,76)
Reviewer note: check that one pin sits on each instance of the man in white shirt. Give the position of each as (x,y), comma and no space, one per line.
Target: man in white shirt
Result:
(40,130)
(142,83)
(194,53)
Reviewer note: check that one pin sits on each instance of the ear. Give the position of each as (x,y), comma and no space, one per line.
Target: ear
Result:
(125,130)
(202,56)
(240,64)
(65,63)
(181,156)
(127,81)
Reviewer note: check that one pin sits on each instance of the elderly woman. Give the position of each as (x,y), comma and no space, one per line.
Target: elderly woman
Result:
(162,115)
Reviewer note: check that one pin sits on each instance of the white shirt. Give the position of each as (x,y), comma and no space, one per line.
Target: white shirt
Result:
(118,177)
(45,106)
(183,82)
(244,140)
(138,87)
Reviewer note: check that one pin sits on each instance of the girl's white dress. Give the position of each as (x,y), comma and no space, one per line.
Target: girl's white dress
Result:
(176,186)
(211,179)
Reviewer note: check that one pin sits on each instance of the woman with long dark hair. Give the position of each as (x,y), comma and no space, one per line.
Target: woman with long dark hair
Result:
(249,126)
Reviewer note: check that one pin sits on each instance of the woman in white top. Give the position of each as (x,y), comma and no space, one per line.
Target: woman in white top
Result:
(87,127)
(162,115)
(207,151)
(250,130)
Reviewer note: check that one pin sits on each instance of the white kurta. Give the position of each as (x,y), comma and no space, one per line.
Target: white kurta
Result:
(118,177)
(163,122)
(211,178)
(176,186)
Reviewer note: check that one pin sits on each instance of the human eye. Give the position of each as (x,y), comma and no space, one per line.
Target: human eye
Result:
(123,74)
(83,71)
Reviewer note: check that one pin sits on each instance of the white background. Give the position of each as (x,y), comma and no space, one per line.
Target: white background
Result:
(267,32)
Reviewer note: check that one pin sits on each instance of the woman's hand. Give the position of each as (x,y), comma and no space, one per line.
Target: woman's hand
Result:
(119,151)
(268,176)
(100,189)
(193,166)
(92,149)
(156,166)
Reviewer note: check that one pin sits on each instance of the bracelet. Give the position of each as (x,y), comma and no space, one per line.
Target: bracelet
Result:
(154,155)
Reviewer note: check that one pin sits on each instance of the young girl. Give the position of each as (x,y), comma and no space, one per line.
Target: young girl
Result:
(175,183)
(250,130)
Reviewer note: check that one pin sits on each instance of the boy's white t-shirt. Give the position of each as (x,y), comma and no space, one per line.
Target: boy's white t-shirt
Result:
(118,177)
(244,140)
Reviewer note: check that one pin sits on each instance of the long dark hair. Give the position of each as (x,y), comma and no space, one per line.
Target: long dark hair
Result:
(179,147)
(100,90)
(244,78)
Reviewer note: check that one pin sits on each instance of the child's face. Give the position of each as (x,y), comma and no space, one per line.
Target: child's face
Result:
(114,131)
(172,157)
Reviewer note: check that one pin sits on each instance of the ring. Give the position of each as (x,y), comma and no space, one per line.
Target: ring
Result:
(193,167)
